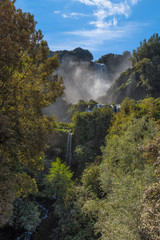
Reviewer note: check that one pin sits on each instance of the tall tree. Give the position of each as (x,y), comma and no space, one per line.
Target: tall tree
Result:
(27,85)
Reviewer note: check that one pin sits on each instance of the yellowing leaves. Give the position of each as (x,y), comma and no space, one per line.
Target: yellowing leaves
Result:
(25,185)
(25,89)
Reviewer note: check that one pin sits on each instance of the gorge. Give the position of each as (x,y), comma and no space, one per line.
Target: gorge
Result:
(79,156)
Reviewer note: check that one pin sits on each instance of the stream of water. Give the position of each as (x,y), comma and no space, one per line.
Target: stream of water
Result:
(69,150)
(44,214)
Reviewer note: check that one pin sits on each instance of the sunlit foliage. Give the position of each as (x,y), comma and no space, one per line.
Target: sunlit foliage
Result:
(25,89)
(150,214)
(125,173)
(58,181)
(143,79)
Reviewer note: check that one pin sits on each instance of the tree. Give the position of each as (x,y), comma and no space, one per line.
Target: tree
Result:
(26,87)
(147,49)
(124,172)
(59,180)
(92,126)
(150,213)
(25,215)
(90,129)
(146,61)
(143,79)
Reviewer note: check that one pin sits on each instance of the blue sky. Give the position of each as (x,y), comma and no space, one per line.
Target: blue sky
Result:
(101,26)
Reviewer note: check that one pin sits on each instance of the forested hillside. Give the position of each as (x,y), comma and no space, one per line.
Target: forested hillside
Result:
(143,78)
(93,176)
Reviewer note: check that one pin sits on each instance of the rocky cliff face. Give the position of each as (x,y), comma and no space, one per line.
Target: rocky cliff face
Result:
(126,85)
(85,79)
(116,63)
(144,78)
(136,83)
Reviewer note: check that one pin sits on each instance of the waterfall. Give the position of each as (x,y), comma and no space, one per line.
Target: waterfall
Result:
(69,149)
(116,108)
(101,70)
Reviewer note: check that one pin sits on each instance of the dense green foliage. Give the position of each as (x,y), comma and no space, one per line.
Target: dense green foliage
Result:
(115,156)
(116,196)
(150,215)
(58,181)
(148,49)
(92,126)
(81,106)
(25,89)
(143,78)
(124,175)
(56,144)
(25,215)
(90,129)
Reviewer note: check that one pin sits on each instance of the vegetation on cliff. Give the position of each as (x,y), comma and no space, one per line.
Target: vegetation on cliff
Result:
(111,190)
(78,54)
(143,79)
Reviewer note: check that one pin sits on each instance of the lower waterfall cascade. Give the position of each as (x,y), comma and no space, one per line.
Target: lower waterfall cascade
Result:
(69,150)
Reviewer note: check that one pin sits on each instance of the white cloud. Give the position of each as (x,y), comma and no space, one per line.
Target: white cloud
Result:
(121,8)
(133,2)
(56,12)
(114,21)
(106,23)
(78,14)
(100,19)
(106,11)
(92,39)
(96,40)
(74,15)
(110,8)
(64,16)
(87,2)
(100,34)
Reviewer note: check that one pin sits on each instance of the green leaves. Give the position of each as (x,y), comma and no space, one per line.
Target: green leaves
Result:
(111,201)
(150,215)
(90,129)
(58,181)
(92,125)
(25,89)
(148,49)
(125,172)
(25,215)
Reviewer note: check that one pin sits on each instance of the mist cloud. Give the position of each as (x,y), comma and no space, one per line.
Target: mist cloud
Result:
(88,80)
(83,80)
